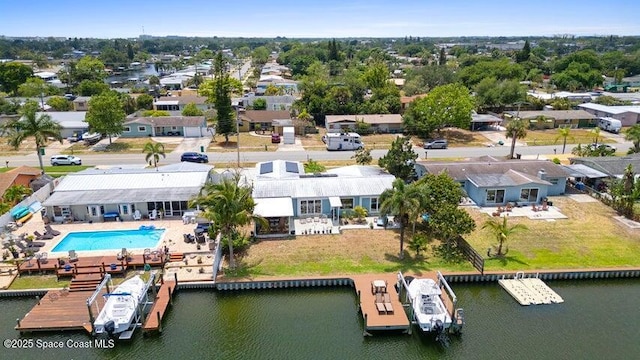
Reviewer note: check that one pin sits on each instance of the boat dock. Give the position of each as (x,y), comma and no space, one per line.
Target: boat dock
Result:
(58,310)
(375,320)
(530,291)
(160,305)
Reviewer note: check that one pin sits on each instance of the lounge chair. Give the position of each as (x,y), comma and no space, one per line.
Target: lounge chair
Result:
(387,303)
(25,248)
(39,236)
(380,304)
(153,214)
(147,253)
(137,215)
(122,254)
(200,239)
(49,230)
(73,256)
(188,238)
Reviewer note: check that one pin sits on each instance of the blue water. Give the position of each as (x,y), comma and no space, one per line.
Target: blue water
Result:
(110,240)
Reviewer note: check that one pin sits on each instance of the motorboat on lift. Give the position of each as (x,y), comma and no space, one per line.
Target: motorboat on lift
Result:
(428,308)
(121,307)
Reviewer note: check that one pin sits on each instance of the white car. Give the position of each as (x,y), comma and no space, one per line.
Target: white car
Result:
(65,160)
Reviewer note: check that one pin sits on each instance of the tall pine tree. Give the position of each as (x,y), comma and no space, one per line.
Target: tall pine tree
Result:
(443,57)
(225,119)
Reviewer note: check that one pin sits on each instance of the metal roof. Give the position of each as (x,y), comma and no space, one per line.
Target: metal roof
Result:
(119,196)
(314,187)
(274,207)
(510,178)
(461,170)
(133,181)
(580,170)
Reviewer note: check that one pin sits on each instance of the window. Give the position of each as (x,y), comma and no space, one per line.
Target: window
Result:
(308,207)
(347,203)
(554,181)
(495,196)
(142,128)
(174,128)
(61,211)
(125,209)
(529,195)
(127,129)
(374,206)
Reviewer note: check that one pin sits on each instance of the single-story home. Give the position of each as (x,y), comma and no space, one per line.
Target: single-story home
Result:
(177,103)
(187,126)
(489,181)
(628,115)
(250,120)
(283,191)
(549,119)
(274,102)
(483,121)
(72,122)
(612,166)
(382,123)
(22,175)
(90,194)
(406,100)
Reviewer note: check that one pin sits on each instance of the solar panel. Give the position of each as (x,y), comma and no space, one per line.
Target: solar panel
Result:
(291,167)
(266,168)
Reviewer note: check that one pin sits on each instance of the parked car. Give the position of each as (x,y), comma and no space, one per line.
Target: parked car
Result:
(436,144)
(275,138)
(194,157)
(605,147)
(65,160)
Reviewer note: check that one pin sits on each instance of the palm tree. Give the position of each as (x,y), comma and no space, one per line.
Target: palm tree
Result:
(596,132)
(40,127)
(14,194)
(153,151)
(228,205)
(401,201)
(502,231)
(633,134)
(516,129)
(564,133)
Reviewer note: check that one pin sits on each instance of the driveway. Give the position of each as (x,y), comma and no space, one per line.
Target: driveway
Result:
(190,144)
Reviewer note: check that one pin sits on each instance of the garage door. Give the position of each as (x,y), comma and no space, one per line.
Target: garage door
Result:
(193,132)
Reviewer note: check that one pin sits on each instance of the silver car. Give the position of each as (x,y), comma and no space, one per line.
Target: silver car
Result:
(65,160)
(436,144)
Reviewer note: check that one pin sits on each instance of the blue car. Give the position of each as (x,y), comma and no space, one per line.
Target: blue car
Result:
(194,157)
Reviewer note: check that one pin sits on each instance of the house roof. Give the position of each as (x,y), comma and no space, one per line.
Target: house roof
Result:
(68,119)
(262,116)
(614,110)
(581,170)
(510,178)
(184,99)
(189,121)
(461,171)
(7,179)
(410,99)
(369,119)
(553,114)
(113,186)
(610,165)
(485,118)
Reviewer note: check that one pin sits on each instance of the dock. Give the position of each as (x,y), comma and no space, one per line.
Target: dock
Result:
(160,305)
(58,310)
(373,319)
(530,291)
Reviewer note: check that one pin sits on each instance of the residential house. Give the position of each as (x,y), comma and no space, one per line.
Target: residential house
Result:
(489,181)
(380,123)
(22,175)
(484,121)
(187,126)
(288,86)
(81,103)
(274,102)
(628,115)
(549,119)
(177,103)
(406,100)
(283,192)
(72,123)
(252,120)
(90,194)
(612,166)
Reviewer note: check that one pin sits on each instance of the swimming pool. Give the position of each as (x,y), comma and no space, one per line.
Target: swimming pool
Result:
(110,240)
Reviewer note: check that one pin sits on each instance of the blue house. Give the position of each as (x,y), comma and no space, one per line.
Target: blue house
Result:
(186,126)
(489,181)
(284,192)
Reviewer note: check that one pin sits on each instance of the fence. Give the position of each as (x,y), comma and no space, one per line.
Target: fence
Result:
(41,195)
(471,254)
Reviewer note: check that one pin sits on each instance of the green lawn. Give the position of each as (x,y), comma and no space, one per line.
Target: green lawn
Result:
(551,137)
(38,282)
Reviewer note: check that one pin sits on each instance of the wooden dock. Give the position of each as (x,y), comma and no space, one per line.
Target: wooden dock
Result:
(89,264)
(160,306)
(373,319)
(58,310)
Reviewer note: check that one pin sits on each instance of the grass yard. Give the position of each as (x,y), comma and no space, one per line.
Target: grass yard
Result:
(551,137)
(456,138)
(590,238)
(28,146)
(37,281)
(352,252)
(120,145)
(248,142)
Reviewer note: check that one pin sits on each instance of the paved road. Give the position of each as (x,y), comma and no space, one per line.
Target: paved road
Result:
(230,157)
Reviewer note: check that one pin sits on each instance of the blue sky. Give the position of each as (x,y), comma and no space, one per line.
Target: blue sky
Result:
(310,18)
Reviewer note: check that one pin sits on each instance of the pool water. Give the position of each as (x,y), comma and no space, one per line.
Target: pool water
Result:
(110,240)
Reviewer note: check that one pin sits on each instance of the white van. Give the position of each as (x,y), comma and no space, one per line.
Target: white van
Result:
(610,124)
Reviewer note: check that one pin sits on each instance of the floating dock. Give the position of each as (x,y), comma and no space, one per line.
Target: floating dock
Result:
(530,291)
(375,320)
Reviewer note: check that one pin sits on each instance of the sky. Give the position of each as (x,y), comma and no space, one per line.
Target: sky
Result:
(320,19)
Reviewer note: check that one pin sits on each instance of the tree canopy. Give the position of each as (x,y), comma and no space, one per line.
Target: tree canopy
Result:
(400,159)
(105,114)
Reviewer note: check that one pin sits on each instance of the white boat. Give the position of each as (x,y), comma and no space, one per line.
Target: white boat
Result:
(121,307)
(429,311)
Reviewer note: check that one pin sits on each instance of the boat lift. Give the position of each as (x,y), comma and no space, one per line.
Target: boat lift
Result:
(143,305)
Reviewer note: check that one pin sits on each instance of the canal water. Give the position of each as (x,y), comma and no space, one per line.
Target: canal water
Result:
(599,320)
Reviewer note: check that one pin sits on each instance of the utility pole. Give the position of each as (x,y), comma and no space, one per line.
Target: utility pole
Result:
(238,126)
